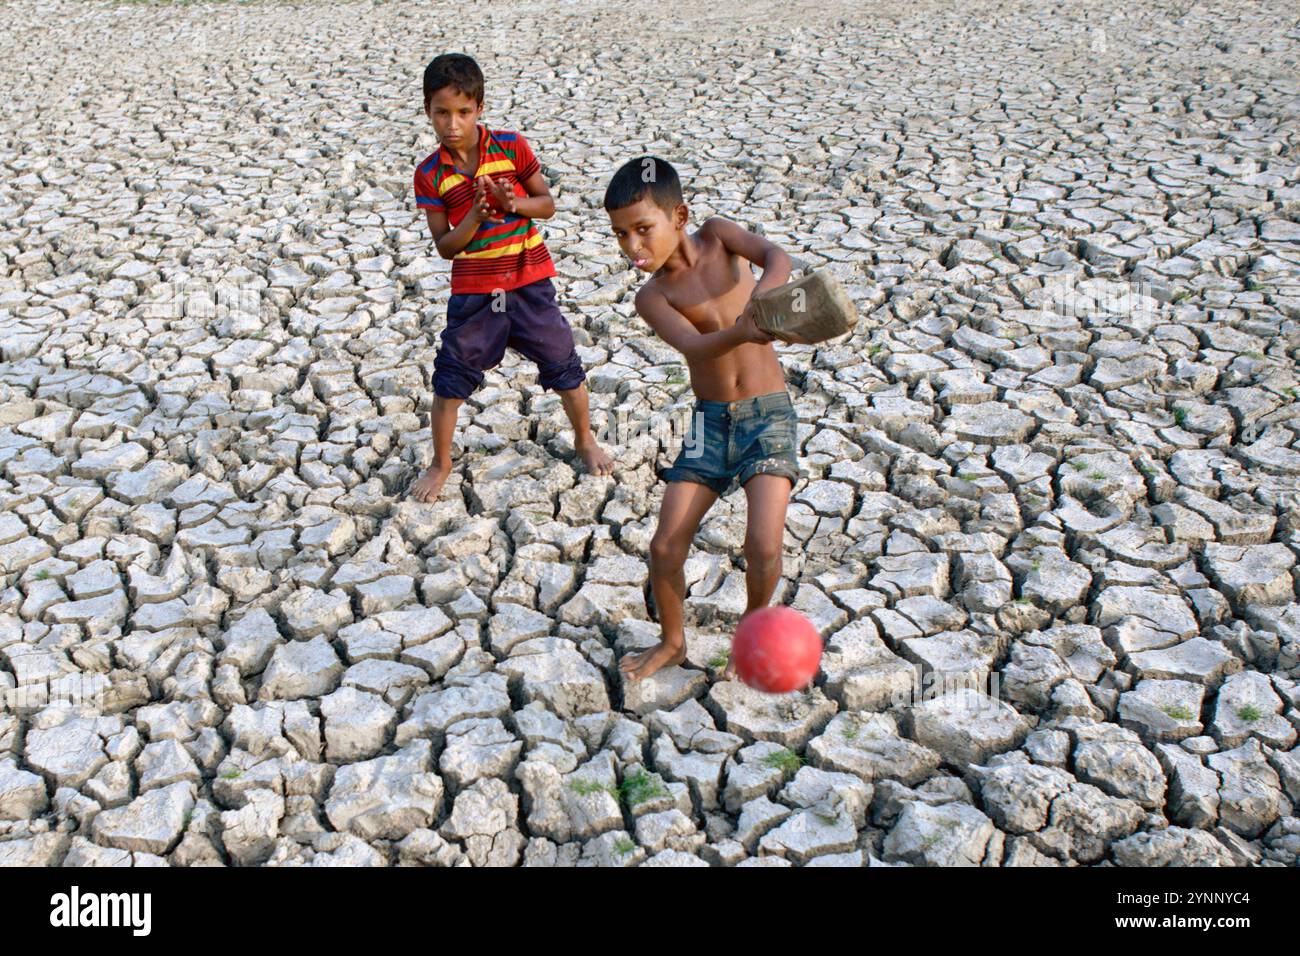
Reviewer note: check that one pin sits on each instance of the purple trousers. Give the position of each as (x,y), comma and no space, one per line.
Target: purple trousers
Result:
(481,325)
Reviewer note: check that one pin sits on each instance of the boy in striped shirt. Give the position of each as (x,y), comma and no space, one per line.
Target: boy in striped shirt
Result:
(480,191)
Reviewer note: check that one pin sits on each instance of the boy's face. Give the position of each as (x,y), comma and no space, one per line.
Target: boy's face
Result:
(455,118)
(646,234)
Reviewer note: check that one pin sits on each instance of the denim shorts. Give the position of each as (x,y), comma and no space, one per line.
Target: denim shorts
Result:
(481,325)
(731,442)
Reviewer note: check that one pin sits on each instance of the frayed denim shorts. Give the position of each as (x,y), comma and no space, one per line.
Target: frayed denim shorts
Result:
(731,442)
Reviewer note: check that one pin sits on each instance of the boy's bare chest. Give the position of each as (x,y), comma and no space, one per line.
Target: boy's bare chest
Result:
(708,296)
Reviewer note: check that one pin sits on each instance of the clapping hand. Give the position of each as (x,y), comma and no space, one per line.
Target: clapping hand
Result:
(501,194)
(482,209)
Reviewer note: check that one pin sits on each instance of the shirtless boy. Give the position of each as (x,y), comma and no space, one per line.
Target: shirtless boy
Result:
(698,301)
(480,190)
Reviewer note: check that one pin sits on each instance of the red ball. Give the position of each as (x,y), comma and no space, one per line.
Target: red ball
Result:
(776,649)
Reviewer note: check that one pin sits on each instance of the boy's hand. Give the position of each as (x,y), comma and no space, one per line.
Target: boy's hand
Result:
(480,210)
(500,194)
(749,330)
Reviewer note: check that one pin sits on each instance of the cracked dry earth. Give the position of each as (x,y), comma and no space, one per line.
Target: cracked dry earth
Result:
(1059,459)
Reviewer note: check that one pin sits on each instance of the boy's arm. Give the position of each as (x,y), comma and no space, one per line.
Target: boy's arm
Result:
(677,330)
(740,241)
(450,241)
(538,204)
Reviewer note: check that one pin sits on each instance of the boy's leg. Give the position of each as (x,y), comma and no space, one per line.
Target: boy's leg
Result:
(473,340)
(443,418)
(767,497)
(576,407)
(684,506)
(539,332)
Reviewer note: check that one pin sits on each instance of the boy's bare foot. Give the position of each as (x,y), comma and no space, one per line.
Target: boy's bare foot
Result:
(645,663)
(596,460)
(429,485)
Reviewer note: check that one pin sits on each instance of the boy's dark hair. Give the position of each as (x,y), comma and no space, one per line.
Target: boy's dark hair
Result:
(453,69)
(641,177)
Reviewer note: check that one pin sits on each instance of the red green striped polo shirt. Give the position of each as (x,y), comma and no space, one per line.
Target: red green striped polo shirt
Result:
(502,255)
